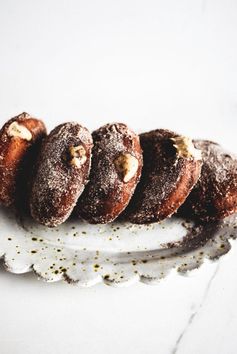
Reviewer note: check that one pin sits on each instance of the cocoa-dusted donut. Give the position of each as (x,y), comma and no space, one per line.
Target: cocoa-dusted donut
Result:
(215,194)
(115,172)
(171,168)
(61,174)
(20,138)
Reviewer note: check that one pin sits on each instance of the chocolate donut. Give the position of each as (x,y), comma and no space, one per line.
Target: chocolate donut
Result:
(171,168)
(20,138)
(61,174)
(115,172)
(215,194)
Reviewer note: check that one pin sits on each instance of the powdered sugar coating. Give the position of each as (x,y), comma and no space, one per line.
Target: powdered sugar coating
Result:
(58,183)
(107,194)
(167,178)
(215,194)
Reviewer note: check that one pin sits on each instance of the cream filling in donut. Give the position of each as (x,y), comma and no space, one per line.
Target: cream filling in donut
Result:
(17,130)
(185,148)
(126,165)
(78,155)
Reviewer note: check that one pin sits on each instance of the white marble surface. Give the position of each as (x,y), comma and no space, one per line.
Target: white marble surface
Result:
(151,64)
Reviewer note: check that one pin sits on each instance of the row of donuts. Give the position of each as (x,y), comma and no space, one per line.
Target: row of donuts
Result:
(112,173)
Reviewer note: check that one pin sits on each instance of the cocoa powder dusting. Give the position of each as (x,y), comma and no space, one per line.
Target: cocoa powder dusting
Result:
(215,194)
(106,195)
(166,179)
(57,183)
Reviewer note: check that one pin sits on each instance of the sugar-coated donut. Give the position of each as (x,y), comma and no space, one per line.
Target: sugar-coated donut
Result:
(215,194)
(115,172)
(62,173)
(171,168)
(20,138)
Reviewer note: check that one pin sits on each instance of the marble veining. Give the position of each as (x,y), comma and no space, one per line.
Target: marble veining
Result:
(193,314)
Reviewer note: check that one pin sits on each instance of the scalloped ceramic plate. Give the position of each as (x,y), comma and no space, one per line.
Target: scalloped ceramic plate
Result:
(116,254)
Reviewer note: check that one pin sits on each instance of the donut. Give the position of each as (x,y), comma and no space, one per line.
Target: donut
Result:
(115,172)
(61,174)
(215,195)
(20,138)
(171,168)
